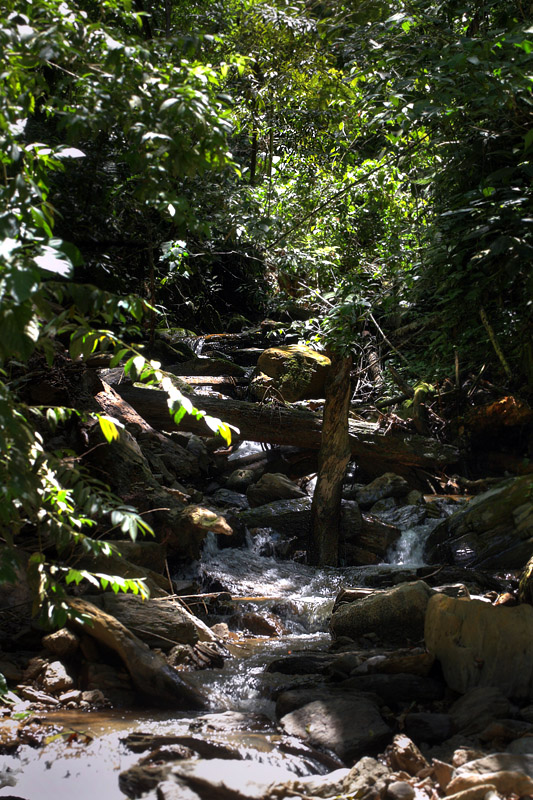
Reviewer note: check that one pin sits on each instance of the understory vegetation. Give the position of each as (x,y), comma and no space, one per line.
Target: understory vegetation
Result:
(360,171)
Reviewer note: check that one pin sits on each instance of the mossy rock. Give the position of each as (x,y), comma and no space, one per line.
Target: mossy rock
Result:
(297,371)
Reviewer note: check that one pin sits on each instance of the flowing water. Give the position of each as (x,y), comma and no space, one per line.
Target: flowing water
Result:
(298,598)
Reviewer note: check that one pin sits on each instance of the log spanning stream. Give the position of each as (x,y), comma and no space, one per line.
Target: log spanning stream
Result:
(84,755)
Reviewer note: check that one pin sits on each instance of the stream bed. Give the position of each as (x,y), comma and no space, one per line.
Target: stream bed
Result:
(84,754)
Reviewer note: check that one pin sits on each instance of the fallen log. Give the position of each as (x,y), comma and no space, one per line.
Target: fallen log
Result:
(375,449)
(150,673)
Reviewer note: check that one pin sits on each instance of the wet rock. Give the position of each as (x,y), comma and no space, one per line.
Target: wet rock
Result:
(403,517)
(396,615)
(240,479)
(372,541)
(387,485)
(227,498)
(494,530)
(296,371)
(350,725)
(56,678)
(273,486)
(290,517)
(264,624)
(160,622)
(384,505)
(62,642)
(427,727)
(473,640)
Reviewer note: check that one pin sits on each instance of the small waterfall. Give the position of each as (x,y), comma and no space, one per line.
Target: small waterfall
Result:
(409,549)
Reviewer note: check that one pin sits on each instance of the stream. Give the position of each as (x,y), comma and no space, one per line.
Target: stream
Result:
(83,753)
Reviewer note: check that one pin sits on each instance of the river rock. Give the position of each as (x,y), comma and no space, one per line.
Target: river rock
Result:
(349,724)
(192,526)
(240,479)
(495,530)
(160,622)
(291,517)
(55,678)
(62,642)
(227,498)
(151,555)
(366,780)
(369,541)
(510,774)
(272,486)
(474,642)
(395,615)
(296,371)
(472,712)
(387,485)
(403,754)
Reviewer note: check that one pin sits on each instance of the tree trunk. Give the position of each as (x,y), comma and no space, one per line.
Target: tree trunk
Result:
(332,461)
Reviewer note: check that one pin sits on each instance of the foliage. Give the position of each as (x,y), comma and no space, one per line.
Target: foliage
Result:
(362,164)
(76,75)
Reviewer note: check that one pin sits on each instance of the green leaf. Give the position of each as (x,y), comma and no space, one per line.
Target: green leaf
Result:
(109,427)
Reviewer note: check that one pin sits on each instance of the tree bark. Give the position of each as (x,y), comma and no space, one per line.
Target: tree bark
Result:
(375,449)
(332,461)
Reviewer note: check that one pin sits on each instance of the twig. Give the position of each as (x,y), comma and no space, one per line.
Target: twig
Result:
(385,339)
(492,336)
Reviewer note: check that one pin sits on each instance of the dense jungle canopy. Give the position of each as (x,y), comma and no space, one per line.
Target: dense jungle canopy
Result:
(350,168)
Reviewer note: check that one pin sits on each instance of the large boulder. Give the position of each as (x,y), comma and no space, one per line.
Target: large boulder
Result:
(495,530)
(395,615)
(476,643)
(296,372)
(349,724)
(387,485)
(273,486)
